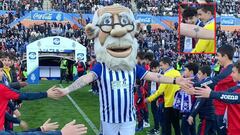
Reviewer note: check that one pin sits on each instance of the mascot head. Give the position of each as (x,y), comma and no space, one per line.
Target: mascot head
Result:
(113,30)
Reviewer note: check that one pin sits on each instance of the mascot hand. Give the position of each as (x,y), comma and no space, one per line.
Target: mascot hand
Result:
(90,30)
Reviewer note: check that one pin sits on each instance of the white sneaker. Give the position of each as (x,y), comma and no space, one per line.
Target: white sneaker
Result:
(145,124)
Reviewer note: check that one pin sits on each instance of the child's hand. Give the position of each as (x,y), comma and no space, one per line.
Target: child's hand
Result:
(24,125)
(74,129)
(47,126)
(190,120)
(23,84)
(202,92)
(17,113)
(146,100)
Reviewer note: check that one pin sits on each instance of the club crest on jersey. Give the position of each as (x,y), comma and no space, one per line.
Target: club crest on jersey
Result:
(119,84)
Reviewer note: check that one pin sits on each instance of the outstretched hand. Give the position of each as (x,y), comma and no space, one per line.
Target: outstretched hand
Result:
(47,126)
(23,125)
(202,92)
(54,93)
(185,83)
(74,129)
(23,84)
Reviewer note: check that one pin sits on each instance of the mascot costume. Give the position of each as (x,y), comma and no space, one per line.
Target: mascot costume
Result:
(113,30)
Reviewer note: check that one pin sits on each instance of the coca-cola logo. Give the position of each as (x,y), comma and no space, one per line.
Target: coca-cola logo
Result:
(227,21)
(145,19)
(42,16)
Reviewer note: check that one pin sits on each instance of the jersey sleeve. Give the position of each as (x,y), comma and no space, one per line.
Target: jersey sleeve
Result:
(140,72)
(227,97)
(97,70)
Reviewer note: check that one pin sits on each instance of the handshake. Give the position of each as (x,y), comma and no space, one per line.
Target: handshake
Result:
(56,92)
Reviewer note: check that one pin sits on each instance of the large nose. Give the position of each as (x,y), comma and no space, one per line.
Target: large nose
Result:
(118,30)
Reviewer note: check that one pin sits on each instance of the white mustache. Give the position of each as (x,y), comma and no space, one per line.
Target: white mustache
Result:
(125,41)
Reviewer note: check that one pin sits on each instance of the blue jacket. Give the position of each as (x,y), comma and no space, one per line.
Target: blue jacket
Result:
(30,133)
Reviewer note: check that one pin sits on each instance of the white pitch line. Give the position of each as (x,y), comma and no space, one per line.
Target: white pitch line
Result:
(90,123)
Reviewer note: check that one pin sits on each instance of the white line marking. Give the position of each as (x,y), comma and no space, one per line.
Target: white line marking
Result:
(90,123)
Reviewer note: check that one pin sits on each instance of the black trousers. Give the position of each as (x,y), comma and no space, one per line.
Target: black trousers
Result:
(63,75)
(155,114)
(206,127)
(171,119)
(221,127)
(185,127)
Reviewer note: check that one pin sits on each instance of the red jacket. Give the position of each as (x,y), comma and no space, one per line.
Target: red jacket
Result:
(233,115)
(224,84)
(5,95)
(141,105)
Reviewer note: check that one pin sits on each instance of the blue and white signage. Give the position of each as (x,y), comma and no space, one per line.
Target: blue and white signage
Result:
(51,44)
(227,21)
(56,41)
(47,16)
(146,19)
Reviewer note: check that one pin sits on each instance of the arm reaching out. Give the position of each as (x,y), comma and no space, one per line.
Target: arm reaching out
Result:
(79,83)
(225,96)
(194,31)
(185,83)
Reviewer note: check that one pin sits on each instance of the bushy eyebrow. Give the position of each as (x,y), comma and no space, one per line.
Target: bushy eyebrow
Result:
(126,14)
(104,16)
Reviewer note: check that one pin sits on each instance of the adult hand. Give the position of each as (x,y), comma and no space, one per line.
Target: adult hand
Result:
(62,91)
(185,83)
(53,93)
(189,91)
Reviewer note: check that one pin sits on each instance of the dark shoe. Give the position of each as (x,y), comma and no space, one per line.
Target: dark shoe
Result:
(139,129)
(153,132)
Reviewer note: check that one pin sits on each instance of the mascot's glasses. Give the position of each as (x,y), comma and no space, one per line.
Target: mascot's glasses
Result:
(107,28)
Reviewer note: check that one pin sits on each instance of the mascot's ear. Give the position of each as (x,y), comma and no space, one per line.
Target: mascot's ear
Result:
(91,31)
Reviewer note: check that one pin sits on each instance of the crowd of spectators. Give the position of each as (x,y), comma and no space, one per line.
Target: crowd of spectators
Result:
(160,42)
(229,7)
(157,7)
(16,9)
(84,6)
(154,7)
(21,5)
(18,37)
(228,38)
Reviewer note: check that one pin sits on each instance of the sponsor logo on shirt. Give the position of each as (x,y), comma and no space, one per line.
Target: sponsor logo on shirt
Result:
(229,97)
(119,84)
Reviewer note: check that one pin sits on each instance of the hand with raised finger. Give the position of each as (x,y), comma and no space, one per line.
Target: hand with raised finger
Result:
(47,126)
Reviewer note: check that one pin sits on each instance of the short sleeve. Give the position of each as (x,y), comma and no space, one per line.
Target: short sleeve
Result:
(97,69)
(140,72)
